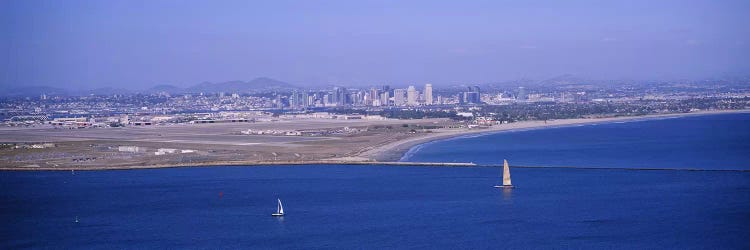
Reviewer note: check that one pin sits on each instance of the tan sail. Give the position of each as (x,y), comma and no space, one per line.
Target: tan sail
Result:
(506,174)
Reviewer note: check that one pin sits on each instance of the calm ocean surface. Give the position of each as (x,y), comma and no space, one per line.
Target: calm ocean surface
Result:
(379,207)
(698,142)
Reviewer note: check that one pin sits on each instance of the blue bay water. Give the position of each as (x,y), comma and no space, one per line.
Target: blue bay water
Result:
(699,142)
(374,207)
(377,207)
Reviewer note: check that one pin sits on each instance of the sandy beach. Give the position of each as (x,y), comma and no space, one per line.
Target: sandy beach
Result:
(394,151)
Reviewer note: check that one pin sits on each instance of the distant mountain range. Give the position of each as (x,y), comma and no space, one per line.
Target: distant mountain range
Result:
(566,80)
(261,84)
(257,85)
(265,84)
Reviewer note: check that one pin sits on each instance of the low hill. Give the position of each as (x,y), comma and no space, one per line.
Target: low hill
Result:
(262,84)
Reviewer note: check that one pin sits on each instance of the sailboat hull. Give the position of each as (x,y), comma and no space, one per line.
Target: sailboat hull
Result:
(508,186)
(277,215)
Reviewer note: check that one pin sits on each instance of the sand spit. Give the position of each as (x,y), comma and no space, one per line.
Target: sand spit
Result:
(381,143)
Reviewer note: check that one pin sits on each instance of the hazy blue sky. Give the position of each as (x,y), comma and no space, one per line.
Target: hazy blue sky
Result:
(136,44)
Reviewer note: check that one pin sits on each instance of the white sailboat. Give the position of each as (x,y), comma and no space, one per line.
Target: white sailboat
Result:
(506,176)
(279,209)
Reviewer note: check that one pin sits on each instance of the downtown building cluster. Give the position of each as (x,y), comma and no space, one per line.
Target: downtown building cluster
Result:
(509,103)
(384,96)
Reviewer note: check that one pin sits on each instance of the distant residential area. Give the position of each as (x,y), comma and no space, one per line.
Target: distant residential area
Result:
(484,105)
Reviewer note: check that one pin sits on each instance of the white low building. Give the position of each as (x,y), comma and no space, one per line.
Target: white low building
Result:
(132,149)
(167,150)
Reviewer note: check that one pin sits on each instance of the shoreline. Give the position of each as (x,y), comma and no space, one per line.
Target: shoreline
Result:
(246,163)
(392,153)
(395,151)
(360,163)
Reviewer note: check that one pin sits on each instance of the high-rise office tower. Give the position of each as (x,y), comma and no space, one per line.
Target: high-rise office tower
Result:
(278,102)
(367,99)
(293,101)
(310,100)
(334,96)
(384,98)
(399,97)
(358,98)
(411,96)
(343,97)
(428,94)
(374,95)
(472,96)
(298,99)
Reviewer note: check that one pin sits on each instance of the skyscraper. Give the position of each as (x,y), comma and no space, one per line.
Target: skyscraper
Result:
(340,96)
(411,96)
(278,102)
(472,96)
(428,94)
(328,100)
(294,100)
(344,97)
(384,98)
(373,96)
(399,97)
(298,99)
(310,100)
(334,96)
